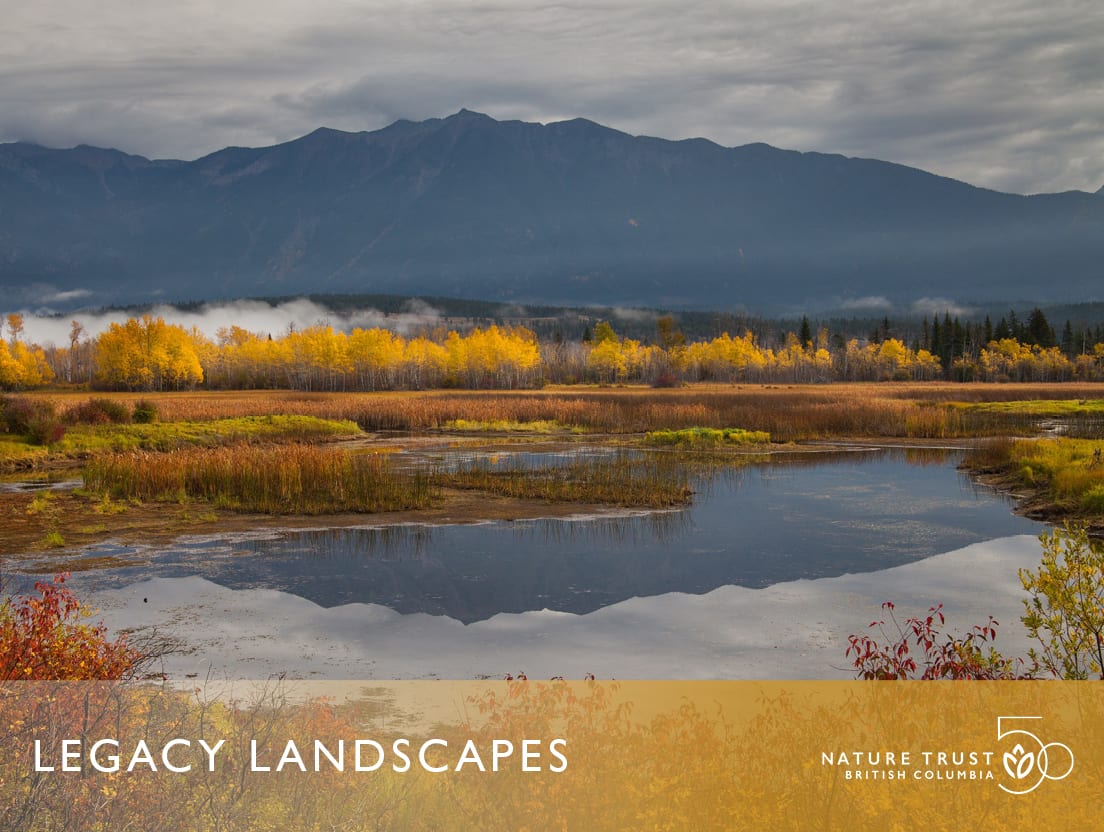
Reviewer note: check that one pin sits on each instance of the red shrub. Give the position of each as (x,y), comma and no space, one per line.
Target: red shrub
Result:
(921,650)
(47,637)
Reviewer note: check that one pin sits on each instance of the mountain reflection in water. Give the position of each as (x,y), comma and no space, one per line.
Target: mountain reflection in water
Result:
(805,516)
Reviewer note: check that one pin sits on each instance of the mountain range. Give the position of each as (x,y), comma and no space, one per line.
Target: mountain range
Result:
(568,212)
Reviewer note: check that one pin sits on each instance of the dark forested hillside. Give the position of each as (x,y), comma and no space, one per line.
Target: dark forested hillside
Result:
(570,212)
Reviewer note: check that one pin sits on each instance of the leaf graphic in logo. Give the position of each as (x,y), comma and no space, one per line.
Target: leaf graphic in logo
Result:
(1019,763)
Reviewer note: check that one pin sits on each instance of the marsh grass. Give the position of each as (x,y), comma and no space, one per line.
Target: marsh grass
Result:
(19,455)
(990,456)
(53,540)
(167,436)
(622,479)
(44,507)
(107,506)
(506,426)
(294,479)
(42,503)
(1080,418)
(706,438)
(787,412)
(1039,407)
(1069,472)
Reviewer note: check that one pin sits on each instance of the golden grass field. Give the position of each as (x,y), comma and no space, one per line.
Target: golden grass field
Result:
(786,412)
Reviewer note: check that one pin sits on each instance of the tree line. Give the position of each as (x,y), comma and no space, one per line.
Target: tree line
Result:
(146,353)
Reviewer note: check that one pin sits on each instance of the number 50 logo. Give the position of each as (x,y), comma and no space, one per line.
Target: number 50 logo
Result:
(1030,756)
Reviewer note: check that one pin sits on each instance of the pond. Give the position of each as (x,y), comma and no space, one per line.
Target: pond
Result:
(803,519)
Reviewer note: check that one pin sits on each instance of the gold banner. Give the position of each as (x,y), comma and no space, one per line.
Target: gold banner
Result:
(552,755)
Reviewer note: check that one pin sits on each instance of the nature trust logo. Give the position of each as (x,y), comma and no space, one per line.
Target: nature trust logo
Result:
(1029,762)
(1026,759)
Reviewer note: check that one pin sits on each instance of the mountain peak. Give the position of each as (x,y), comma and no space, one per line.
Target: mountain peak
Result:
(585,125)
(326,131)
(464,114)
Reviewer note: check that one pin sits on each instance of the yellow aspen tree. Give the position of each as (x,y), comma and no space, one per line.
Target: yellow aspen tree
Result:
(15,326)
(606,361)
(456,359)
(34,368)
(11,373)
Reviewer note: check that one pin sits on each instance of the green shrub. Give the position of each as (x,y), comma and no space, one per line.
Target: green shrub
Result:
(1093,499)
(145,412)
(1065,613)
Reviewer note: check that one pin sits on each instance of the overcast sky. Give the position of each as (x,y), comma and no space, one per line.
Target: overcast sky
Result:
(1000,93)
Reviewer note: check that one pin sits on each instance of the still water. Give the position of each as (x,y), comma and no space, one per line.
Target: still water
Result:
(799,516)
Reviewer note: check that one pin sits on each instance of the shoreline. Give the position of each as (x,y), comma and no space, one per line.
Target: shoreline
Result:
(1031,502)
(83,521)
(153,523)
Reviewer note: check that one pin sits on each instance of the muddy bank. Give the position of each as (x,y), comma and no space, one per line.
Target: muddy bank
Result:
(81,521)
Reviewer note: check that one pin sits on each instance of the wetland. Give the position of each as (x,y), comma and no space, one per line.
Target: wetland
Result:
(481,546)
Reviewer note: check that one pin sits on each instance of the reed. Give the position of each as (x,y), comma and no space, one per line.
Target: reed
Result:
(294,479)
(504,426)
(989,457)
(704,438)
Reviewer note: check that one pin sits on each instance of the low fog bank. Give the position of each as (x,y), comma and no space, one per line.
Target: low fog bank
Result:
(253,315)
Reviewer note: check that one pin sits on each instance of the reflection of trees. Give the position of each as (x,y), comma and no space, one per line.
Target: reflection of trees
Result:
(929,456)
(407,541)
(412,541)
(661,527)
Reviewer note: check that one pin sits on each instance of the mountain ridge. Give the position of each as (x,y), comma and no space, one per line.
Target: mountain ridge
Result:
(570,211)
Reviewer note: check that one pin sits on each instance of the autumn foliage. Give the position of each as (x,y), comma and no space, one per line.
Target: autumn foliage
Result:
(47,636)
(147,353)
(921,649)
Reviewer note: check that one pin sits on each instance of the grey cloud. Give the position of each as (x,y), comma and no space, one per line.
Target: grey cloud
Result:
(41,298)
(67,296)
(1002,94)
